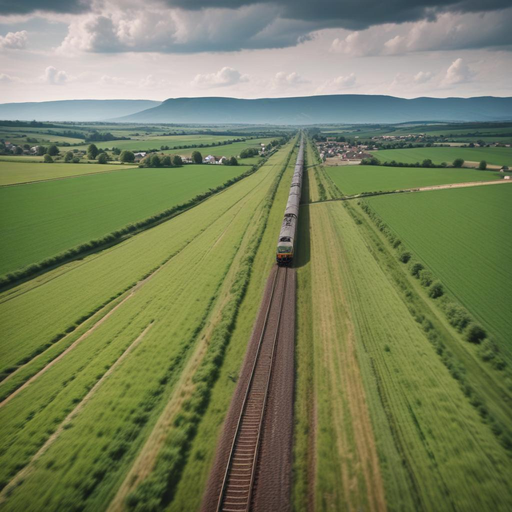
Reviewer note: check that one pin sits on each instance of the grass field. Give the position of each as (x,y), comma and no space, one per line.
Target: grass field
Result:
(495,156)
(355,179)
(143,143)
(372,431)
(465,237)
(25,171)
(114,388)
(40,220)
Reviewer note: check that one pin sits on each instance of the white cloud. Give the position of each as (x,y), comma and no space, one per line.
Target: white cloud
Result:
(14,40)
(283,79)
(226,76)
(8,79)
(422,77)
(458,73)
(338,84)
(53,76)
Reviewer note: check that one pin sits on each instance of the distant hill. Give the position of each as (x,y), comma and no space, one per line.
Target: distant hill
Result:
(73,110)
(325,109)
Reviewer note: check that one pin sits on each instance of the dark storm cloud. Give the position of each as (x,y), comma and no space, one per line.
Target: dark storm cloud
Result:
(28,6)
(353,14)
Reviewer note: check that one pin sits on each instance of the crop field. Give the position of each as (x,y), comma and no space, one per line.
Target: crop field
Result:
(40,220)
(355,179)
(494,156)
(145,365)
(464,236)
(23,170)
(142,143)
(371,431)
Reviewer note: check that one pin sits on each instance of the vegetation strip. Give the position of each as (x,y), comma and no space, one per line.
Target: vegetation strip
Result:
(23,473)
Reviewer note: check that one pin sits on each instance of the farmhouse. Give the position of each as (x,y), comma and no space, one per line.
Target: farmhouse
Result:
(210,159)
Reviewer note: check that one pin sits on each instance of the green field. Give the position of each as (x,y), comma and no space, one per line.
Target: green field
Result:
(465,237)
(355,179)
(40,220)
(144,143)
(159,347)
(494,156)
(372,430)
(23,171)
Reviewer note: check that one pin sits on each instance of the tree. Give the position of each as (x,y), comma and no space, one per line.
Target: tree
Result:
(197,158)
(155,161)
(103,158)
(53,150)
(116,151)
(427,163)
(166,161)
(69,157)
(92,152)
(127,157)
(475,333)
(483,165)
(48,159)
(177,161)
(233,161)
(458,162)
(41,150)
(436,290)
(18,150)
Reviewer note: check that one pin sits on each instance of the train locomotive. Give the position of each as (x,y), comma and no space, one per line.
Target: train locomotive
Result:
(288,233)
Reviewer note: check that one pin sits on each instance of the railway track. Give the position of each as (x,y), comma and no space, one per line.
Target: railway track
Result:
(242,466)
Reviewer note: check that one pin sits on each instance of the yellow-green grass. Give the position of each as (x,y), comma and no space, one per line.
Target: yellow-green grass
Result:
(102,441)
(355,179)
(377,419)
(40,220)
(494,156)
(465,238)
(28,169)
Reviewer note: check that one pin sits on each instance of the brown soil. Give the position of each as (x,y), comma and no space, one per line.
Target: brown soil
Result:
(273,477)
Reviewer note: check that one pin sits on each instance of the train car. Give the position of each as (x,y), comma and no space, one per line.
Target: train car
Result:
(288,233)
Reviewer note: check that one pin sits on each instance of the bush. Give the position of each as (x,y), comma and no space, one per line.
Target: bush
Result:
(103,158)
(426,278)
(127,157)
(457,316)
(155,161)
(48,159)
(53,150)
(458,162)
(482,165)
(404,256)
(475,333)
(436,290)
(415,269)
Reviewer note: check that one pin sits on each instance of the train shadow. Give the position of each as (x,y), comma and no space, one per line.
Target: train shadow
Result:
(303,254)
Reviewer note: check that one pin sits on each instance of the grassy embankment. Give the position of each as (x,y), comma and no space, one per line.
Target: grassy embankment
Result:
(41,220)
(377,427)
(178,302)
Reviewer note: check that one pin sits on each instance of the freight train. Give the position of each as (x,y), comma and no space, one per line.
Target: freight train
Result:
(288,234)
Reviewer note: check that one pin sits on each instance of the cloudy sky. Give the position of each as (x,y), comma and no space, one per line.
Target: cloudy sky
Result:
(66,49)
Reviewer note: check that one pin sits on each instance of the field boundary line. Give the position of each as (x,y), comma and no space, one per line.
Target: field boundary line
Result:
(27,469)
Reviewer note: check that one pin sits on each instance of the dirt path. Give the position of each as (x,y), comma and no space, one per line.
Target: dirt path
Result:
(28,468)
(418,189)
